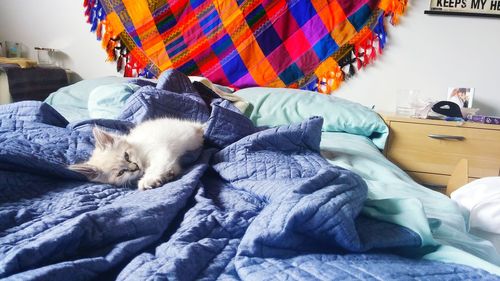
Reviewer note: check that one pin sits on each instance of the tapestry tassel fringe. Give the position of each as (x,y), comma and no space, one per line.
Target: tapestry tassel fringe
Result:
(395,9)
(364,49)
(114,46)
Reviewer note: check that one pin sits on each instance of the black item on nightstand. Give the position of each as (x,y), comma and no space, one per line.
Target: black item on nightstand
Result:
(447,108)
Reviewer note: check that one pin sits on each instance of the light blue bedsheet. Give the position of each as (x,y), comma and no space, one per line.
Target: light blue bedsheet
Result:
(393,196)
(72,101)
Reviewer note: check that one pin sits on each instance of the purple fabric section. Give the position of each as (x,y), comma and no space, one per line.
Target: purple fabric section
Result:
(286,25)
(314,29)
(246,81)
(280,59)
(308,61)
(351,6)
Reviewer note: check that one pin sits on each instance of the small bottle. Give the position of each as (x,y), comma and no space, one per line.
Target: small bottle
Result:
(18,50)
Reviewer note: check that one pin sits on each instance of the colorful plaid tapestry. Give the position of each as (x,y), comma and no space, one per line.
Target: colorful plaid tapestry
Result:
(242,43)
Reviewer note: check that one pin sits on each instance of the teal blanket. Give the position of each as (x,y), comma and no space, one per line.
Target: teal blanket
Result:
(353,137)
(394,197)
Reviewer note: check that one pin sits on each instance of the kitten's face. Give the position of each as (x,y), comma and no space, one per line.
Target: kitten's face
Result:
(118,164)
(113,161)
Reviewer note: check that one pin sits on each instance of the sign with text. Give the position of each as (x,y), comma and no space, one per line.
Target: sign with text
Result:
(477,7)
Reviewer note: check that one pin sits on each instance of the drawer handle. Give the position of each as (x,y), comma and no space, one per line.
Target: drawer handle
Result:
(446,137)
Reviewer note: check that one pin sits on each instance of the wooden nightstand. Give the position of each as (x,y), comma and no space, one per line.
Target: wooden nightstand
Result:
(429,150)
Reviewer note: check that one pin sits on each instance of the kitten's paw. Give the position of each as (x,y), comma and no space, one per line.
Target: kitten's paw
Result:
(155,179)
(146,183)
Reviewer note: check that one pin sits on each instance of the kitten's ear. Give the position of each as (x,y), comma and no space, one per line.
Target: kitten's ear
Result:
(89,171)
(102,138)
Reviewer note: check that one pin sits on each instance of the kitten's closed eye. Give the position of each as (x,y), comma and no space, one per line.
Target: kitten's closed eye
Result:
(127,157)
(120,173)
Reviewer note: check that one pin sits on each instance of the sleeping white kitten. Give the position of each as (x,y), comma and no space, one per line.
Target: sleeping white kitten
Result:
(151,152)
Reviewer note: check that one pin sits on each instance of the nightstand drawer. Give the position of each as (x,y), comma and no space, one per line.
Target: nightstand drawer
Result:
(437,149)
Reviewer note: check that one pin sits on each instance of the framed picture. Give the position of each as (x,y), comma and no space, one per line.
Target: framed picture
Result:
(461,96)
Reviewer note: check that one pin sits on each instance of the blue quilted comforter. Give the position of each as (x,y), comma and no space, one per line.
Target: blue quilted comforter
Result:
(257,204)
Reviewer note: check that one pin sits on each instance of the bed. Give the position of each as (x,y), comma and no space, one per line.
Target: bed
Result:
(294,188)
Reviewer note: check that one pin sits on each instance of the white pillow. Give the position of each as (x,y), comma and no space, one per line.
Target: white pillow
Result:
(482,199)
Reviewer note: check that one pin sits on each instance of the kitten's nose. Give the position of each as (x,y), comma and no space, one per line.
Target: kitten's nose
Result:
(133,167)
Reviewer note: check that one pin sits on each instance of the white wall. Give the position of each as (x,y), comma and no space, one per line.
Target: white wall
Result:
(424,52)
(58,24)
(431,53)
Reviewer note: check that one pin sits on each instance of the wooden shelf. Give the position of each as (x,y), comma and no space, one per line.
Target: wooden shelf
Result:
(465,14)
